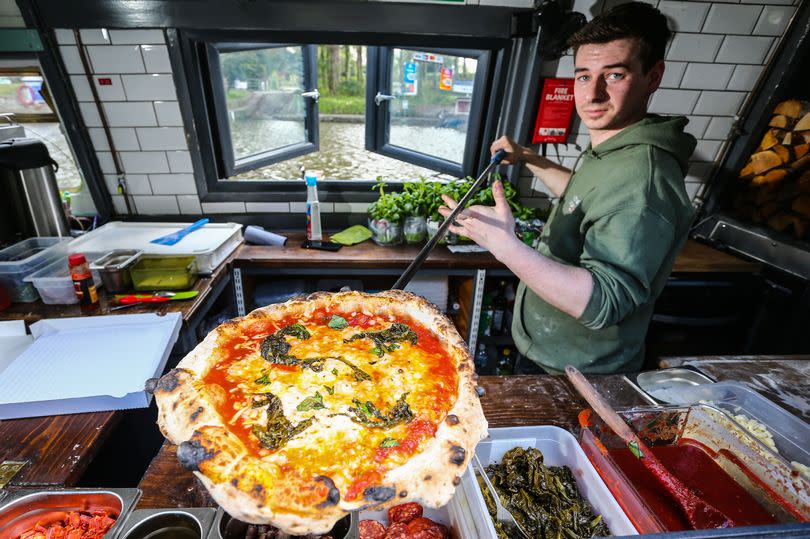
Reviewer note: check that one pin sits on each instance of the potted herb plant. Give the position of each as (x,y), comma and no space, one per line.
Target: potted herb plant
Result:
(385,217)
(416,198)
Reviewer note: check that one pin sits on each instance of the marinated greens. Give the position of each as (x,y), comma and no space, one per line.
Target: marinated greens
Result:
(370,416)
(543,499)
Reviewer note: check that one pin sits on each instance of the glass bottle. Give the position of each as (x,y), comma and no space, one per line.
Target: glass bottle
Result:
(505,364)
(498,310)
(481,358)
(83,283)
(313,209)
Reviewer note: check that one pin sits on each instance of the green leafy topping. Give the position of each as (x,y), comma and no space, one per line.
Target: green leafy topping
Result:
(543,499)
(635,449)
(279,429)
(275,348)
(311,403)
(386,340)
(264,380)
(369,415)
(389,442)
(337,322)
(335,372)
(330,390)
(261,400)
(359,374)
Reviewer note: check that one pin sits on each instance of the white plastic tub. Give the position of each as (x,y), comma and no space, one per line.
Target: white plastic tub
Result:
(210,245)
(24,258)
(559,448)
(54,284)
(456,515)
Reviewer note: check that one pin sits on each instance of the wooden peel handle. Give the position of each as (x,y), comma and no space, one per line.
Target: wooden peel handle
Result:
(600,406)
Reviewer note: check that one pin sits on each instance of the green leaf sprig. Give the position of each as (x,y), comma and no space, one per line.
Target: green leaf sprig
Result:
(387,340)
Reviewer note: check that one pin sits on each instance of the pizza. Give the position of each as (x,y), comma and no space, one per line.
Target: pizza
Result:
(303,411)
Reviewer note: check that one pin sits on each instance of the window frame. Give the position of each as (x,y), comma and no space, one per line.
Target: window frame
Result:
(228,162)
(187,54)
(379,117)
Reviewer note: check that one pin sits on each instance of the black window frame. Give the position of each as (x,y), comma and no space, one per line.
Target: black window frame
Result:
(187,51)
(228,164)
(378,117)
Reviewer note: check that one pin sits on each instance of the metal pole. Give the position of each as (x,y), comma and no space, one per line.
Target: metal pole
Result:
(406,277)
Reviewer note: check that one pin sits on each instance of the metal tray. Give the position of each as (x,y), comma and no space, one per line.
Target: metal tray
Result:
(180,523)
(21,509)
(218,530)
(665,384)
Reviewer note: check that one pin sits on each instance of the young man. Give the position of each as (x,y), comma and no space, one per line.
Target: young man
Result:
(587,291)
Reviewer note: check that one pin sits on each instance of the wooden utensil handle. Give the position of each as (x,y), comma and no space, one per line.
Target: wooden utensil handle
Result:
(608,414)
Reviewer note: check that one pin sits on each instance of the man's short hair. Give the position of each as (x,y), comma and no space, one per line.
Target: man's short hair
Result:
(631,20)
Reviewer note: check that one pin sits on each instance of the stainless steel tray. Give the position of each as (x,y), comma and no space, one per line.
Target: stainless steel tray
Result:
(181,522)
(663,385)
(218,530)
(21,509)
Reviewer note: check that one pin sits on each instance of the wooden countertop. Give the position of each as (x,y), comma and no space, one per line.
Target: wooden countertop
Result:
(509,401)
(59,448)
(694,257)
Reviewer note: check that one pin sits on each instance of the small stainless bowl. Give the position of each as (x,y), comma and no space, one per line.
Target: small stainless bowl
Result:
(114,269)
(228,527)
(166,525)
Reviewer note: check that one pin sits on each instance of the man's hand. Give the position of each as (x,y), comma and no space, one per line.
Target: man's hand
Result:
(490,227)
(514,151)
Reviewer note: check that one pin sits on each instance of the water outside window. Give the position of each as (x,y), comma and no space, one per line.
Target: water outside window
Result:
(263,94)
(20,95)
(434,93)
(266,112)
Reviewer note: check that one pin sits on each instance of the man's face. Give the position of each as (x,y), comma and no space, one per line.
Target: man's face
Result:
(610,87)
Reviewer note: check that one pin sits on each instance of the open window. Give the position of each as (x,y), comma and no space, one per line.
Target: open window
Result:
(426,107)
(266,103)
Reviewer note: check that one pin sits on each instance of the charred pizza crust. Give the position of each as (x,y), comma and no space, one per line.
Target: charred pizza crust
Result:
(253,490)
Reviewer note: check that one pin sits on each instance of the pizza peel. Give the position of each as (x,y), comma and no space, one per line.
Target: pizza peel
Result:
(411,270)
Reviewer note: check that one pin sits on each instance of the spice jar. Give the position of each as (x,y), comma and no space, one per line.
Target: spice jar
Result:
(83,283)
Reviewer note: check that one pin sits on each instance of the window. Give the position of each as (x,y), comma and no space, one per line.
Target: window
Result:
(262,111)
(24,96)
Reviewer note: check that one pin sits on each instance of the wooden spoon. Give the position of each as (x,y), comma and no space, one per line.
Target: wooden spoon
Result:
(700,514)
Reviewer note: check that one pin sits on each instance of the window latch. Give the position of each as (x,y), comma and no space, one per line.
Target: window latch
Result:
(379,98)
(314,94)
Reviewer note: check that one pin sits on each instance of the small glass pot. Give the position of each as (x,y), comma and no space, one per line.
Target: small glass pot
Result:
(415,229)
(385,232)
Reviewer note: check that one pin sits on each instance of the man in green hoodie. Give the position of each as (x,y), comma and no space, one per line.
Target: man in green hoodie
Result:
(588,288)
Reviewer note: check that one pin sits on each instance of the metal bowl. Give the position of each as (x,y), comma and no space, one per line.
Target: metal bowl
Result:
(664,384)
(22,510)
(228,527)
(166,525)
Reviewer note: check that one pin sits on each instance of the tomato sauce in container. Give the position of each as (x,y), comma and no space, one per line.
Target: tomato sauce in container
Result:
(698,444)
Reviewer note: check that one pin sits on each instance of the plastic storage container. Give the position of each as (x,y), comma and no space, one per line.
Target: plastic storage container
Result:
(53,282)
(24,258)
(742,457)
(559,448)
(790,434)
(164,273)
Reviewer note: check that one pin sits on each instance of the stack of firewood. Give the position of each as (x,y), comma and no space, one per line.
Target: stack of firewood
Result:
(777,175)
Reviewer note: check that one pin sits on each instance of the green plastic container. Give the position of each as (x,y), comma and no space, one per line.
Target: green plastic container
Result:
(164,273)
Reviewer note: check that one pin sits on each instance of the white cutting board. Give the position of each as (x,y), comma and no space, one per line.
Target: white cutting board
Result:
(211,244)
(87,365)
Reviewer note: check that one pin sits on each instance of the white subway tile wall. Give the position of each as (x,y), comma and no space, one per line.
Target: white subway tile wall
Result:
(717,55)
(713,63)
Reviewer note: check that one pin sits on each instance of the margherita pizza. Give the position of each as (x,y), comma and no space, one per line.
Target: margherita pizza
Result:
(303,411)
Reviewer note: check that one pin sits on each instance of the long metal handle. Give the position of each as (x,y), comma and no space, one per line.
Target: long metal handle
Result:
(408,274)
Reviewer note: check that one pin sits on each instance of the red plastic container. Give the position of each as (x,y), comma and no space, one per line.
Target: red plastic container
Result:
(5,299)
(770,482)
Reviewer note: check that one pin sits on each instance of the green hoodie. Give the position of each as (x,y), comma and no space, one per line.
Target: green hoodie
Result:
(624,217)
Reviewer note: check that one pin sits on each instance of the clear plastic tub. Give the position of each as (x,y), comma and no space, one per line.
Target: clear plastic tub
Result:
(455,515)
(24,258)
(790,434)
(768,480)
(54,284)
(164,273)
(559,448)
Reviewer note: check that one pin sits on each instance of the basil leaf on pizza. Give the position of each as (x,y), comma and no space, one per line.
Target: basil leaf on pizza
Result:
(303,411)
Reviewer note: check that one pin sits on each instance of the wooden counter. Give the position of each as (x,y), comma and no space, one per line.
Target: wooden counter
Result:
(509,401)
(60,448)
(694,257)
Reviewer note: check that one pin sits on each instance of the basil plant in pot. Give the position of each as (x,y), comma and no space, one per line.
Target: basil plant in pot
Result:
(416,199)
(434,218)
(385,217)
